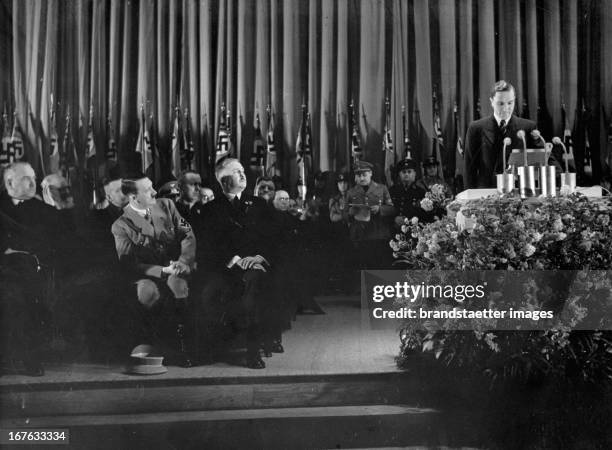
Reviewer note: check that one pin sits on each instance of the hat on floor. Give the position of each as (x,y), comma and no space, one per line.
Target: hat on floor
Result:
(145,360)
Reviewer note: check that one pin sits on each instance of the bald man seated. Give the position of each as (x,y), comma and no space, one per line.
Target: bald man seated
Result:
(31,240)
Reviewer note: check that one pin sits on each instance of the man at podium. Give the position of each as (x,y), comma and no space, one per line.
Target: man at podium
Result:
(484,139)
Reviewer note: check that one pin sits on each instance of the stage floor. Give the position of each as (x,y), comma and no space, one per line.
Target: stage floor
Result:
(339,342)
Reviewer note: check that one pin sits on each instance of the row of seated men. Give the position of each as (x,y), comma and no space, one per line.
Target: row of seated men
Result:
(238,243)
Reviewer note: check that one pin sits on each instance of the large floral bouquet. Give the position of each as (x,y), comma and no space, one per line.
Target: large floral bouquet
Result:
(570,233)
(509,233)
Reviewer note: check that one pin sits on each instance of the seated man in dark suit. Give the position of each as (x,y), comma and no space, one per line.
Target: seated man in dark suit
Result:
(156,246)
(31,238)
(189,185)
(234,252)
(484,140)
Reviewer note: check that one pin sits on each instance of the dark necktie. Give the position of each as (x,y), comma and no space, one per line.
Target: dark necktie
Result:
(236,203)
(502,127)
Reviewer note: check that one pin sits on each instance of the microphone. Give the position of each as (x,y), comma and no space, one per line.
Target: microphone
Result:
(521,135)
(507,142)
(536,135)
(547,151)
(558,141)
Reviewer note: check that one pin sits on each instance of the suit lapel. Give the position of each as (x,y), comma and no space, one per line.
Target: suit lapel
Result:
(490,130)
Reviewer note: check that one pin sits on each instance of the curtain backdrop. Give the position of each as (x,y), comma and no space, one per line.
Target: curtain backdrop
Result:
(113,57)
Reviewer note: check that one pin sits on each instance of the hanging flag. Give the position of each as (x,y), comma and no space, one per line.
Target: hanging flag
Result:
(7,155)
(388,144)
(68,160)
(406,135)
(223,139)
(459,146)
(567,136)
(187,155)
(90,151)
(587,163)
(54,163)
(438,140)
(387,138)
(156,163)
(356,150)
(111,148)
(303,147)
(259,150)
(176,165)
(16,140)
(143,144)
(91,165)
(271,166)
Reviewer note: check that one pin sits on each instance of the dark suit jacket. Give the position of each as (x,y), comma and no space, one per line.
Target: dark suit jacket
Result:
(484,148)
(32,226)
(226,232)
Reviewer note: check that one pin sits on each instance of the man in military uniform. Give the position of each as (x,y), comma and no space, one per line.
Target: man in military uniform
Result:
(340,244)
(431,176)
(370,208)
(156,246)
(406,193)
(338,204)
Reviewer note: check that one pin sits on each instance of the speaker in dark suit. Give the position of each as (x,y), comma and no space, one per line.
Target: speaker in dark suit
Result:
(484,139)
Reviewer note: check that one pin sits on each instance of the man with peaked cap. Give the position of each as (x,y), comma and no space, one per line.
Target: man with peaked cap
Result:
(156,247)
(431,176)
(340,243)
(338,204)
(370,210)
(407,193)
(169,190)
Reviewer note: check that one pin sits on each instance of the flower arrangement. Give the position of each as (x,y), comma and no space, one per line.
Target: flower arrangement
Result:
(435,201)
(568,233)
(508,233)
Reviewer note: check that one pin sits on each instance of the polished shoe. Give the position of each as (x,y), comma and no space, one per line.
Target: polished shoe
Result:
(316,308)
(185,362)
(178,359)
(254,361)
(277,347)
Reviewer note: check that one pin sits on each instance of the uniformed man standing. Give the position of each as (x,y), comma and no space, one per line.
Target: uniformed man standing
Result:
(156,246)
(370,211)
(407,193)
(431,176)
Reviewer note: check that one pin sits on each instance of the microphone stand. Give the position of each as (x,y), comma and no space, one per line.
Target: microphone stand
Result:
(526,172)
(505,181)
(568,179)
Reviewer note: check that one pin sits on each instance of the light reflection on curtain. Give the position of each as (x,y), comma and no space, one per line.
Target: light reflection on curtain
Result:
(114,55)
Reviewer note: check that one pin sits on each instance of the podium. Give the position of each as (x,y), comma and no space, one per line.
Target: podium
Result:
(476,194)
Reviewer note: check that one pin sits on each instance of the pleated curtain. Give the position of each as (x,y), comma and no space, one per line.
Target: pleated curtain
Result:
(116,57)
